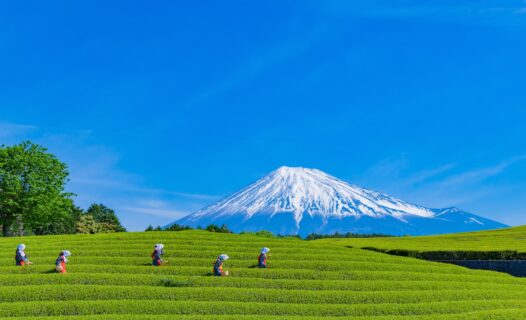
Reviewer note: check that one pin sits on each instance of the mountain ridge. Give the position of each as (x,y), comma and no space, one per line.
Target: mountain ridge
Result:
(296,200)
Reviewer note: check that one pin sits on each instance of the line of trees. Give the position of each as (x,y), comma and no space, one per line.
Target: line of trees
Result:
(178,227)
(33,200)
(315,236)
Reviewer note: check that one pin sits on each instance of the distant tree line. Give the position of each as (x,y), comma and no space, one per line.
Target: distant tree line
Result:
(177,227)
(218,229)
(268,234)
(315,236)
(33,200)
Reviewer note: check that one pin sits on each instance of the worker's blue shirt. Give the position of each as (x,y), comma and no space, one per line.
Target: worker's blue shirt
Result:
(59,260)
(19,258)
(262,260)
(218,267)
(156,256)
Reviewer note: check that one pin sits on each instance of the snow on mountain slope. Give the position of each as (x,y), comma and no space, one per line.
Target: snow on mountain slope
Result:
(302,201)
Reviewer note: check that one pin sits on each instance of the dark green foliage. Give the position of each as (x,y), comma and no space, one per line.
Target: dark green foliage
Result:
(106,218)
(262,233)
(315,236)
(87,225)
(170,282)
(210,228)
(454,255)
(214,228)
(296,236)
(32,196)
(177,227)
(60,224)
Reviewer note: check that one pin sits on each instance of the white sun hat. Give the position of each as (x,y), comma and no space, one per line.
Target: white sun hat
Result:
(66,253)
(21,247)
(224,257)
(265,250)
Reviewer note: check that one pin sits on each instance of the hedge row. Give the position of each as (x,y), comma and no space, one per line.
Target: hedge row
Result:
(453,255)
(508,314)
(298,274)
(66,308)
(236,282)
(252,295)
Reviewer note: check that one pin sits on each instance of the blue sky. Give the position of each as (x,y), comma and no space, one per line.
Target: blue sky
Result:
(161,108)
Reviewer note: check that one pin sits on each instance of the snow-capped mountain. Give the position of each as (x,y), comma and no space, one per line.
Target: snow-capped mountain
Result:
(303,201)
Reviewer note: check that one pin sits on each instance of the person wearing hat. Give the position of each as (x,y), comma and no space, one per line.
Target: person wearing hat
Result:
(158,251)
(262,259)
(20,256)
(60,263)
(218,266)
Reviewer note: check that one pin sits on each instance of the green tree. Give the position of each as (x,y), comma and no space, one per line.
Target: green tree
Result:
(151,228)
(177,227)
(32,192)
(60,224)
(87,225)
(214,228)
(106,217)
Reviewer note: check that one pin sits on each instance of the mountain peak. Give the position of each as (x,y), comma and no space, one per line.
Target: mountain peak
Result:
(289,198)
(285,171)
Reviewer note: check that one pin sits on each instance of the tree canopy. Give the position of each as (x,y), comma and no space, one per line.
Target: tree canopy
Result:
(32,196)
(106,219)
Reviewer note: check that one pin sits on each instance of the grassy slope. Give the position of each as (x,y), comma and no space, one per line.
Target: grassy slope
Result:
(496,240)
(110,275)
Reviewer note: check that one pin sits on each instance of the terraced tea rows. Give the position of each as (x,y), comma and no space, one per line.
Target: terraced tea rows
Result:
(110,277)
(505,240)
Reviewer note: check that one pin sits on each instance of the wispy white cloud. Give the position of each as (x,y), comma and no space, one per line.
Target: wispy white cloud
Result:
(425,175)
(157,212)
(158,208)
(396,168)
(14,130)
(478,175)
(443,186)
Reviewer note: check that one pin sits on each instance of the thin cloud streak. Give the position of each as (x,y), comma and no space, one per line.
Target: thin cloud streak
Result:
(480,175)
(439,187)
(423,176)
(11,130)
(164,213)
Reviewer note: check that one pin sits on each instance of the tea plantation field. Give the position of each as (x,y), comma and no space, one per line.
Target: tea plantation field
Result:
(110,277)
(499,244)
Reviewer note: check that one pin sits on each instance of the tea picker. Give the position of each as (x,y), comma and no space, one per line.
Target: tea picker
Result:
(262,259)
(20,256)
(60,263)
(158,251)
(218,266)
